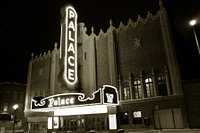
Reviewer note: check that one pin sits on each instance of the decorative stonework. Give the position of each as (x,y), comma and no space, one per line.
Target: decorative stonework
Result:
(45,55)
(130,23)
(137,43)
(41,57)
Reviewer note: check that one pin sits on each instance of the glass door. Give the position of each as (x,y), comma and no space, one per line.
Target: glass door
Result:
(80,124)
(69,124)
(85,123)
(96,122)
(74,124)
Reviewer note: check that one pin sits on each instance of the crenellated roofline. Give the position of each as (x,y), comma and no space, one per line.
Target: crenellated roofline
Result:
(130,23)
(44,56)
(121,26)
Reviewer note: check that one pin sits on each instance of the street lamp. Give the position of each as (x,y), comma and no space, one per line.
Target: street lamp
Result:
(158,116)
(193,23)
(15,107)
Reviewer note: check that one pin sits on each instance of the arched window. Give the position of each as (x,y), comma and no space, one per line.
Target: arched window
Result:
(162,88)
(149,87)
(137,89)
(126,90)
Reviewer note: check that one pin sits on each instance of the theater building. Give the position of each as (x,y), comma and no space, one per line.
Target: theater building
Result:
(126,77)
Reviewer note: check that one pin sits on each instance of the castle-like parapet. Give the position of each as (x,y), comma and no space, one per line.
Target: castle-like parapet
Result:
(130,23)
(45,55)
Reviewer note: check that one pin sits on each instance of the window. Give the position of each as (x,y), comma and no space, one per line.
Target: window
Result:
(37,93)
(38,126)
(5,107)
(162,88)
(126,90)
(149,87)
(40,93)
(137,117)
(124,118)
(43,93)
(137,89)
(40,72)
(85,55)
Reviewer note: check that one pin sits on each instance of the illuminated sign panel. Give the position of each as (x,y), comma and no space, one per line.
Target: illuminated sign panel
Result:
(112,121)
(53,123)
(82,110)
(137,114)
(105,95)
(69,45)
(110,95)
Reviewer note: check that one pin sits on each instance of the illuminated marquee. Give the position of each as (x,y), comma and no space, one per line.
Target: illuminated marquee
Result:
(70,47)
(105,95)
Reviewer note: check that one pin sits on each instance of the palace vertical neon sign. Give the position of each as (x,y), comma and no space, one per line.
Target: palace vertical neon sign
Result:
(70,52)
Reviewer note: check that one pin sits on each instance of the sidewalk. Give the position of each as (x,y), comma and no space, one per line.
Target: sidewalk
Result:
(165,131)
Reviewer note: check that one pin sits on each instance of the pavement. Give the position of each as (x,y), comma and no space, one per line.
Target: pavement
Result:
(153,131)
(163,131)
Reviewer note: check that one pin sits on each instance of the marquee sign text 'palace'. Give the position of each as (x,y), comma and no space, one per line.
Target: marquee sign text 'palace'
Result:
(105,95)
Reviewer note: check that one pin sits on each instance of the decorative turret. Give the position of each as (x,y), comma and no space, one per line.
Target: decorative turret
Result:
(161,4)
(92,30)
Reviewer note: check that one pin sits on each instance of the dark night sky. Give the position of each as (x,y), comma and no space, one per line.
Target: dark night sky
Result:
(33,26)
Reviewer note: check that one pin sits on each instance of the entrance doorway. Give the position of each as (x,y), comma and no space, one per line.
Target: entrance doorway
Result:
(168,118)
(84,123)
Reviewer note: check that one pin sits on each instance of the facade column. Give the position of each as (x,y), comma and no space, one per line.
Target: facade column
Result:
(53,69)
(120,88)
(112,55)
(28,86)
(144,94)
(131,85)
(167,81)
(155,87)
(172,63)
(92,62)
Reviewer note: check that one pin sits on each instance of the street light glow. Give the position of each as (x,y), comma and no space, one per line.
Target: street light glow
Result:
(16,106)
(193,22)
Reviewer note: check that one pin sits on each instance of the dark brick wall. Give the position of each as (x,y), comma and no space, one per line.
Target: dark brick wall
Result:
(150,54)
(40,78)
(147,106)
(191,90)
(103,61)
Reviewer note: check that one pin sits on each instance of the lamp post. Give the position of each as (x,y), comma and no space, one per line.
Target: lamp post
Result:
(193,23)
(15,107)
(158,116)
